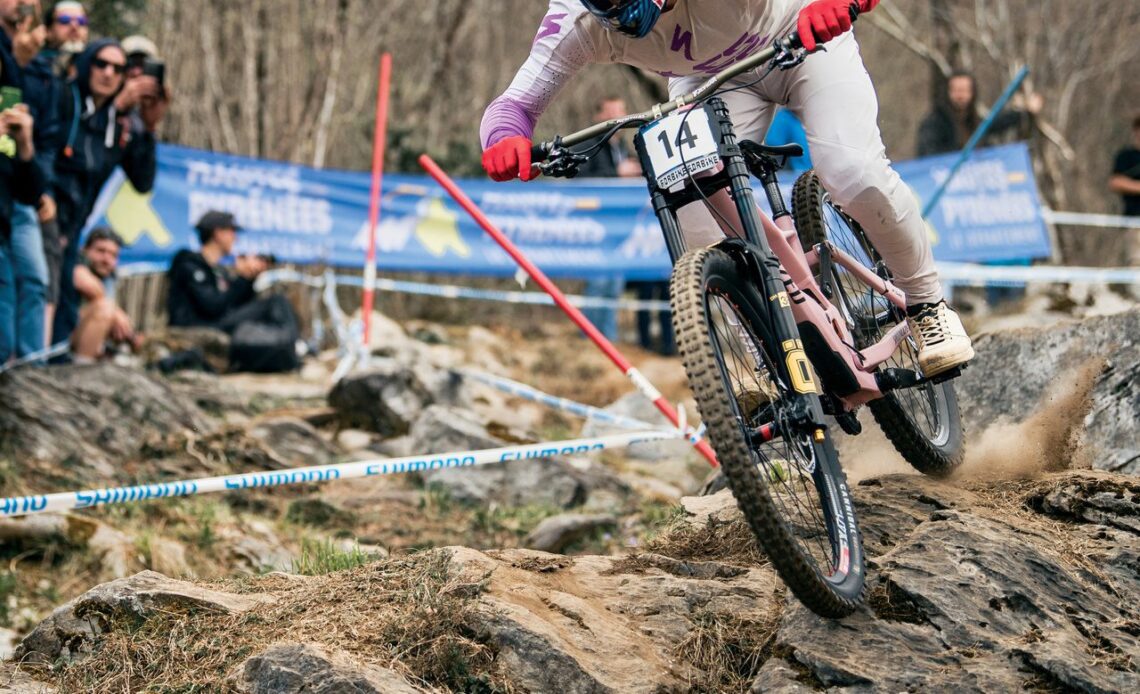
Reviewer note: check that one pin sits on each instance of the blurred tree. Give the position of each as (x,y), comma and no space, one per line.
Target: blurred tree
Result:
(117,18)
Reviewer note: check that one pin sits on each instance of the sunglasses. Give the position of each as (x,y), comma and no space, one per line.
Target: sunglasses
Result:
(100,64)
(69,19)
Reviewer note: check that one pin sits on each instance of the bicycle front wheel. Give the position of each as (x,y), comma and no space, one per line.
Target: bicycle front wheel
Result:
(791,489)
(923,423)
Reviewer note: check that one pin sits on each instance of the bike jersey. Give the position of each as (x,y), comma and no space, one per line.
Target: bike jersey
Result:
(695,38)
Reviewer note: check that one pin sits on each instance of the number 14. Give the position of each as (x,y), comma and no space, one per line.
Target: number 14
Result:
(684,137)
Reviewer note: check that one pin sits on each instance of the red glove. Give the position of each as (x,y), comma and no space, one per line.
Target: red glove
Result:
(824,20)
(508,159)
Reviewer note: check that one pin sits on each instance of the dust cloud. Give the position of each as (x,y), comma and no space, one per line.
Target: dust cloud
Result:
(1049,439)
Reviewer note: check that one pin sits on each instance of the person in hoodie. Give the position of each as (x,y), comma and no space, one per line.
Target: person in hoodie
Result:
(106,124)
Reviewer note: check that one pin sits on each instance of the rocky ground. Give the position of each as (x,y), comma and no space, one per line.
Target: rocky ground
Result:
(579,574)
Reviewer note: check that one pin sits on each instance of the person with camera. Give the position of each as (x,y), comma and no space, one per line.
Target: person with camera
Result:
(264,333)
(107,124)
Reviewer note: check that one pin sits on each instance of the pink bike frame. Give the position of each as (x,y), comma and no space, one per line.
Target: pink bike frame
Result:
(810,305)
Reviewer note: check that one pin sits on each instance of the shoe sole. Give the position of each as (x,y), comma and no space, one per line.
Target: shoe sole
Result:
(941,363)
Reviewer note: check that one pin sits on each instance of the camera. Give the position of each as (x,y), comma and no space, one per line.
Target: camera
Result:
(156,69)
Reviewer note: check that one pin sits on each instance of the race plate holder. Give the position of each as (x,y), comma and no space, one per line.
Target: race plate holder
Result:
(680,145)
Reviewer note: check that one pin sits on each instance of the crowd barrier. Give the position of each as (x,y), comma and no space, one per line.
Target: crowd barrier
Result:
(73,501)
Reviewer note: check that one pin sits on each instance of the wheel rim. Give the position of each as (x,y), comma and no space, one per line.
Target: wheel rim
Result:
(787,467)
(926,406)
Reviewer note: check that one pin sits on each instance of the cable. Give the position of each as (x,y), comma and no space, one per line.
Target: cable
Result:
(684,164)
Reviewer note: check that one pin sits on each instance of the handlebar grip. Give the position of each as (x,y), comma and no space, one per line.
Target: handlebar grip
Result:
(538,153)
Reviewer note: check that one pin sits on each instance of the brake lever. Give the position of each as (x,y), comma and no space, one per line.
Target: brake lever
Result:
(561,162)
(790,54)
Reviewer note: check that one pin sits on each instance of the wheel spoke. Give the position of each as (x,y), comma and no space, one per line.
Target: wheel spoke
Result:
(786,463)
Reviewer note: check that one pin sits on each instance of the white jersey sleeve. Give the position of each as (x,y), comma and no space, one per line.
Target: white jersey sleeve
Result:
(561,48)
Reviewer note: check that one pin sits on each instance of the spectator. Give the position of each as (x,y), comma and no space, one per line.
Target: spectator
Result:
(103,131)
(20,182)
(263,332)
(1126,173)
(44,88)
(785,130)
(614,159)
(202,291)
(100,319)
(67,34)
(27,258)
(611,161)
(949,126)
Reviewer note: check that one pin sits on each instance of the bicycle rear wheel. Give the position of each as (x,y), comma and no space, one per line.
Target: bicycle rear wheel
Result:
(791,489)
(923,423)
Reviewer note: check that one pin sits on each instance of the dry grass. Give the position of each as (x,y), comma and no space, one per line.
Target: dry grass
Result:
(724,652)
(731,542)
(408,614)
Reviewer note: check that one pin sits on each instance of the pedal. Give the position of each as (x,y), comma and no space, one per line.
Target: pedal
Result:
(948,375)
(893,379)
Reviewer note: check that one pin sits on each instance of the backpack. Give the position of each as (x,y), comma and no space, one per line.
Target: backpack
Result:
(264,347)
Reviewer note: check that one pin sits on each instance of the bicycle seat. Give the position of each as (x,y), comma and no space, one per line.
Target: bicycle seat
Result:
(789,150)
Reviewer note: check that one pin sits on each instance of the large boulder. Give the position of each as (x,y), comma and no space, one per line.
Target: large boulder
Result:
(1091,369)
(78,424)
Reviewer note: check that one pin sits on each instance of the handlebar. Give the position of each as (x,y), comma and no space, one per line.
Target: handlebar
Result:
(789,49)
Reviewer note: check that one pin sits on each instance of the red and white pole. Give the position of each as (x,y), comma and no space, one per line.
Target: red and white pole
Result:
(380,137)
(639,380)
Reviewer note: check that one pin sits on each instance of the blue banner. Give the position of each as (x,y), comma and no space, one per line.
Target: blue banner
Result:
(569,228)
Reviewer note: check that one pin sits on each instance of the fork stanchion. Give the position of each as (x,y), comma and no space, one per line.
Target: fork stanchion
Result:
(575,315)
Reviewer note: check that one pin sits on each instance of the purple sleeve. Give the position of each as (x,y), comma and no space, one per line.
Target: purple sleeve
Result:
(561,48)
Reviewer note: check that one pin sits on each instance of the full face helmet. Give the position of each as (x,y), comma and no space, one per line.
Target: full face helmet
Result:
(631,17)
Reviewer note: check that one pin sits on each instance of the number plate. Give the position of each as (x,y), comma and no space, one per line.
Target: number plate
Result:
(679,145)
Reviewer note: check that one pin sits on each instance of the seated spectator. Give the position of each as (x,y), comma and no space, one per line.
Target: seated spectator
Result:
(100,319)
(21,182)
(204,293)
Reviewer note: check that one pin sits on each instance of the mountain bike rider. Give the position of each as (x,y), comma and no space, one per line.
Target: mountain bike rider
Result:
(688,41)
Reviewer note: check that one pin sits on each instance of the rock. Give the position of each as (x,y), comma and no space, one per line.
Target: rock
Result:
(8,641)
(294,442)
(16,681)
(597,624)
(353,439)
(546,481)
(72,629)
(961,599)
(111,549)
(288,668)
(253,548)
(386,399)
(1017,372)
(76,425)
(212,394)
(556,533)
(636,406)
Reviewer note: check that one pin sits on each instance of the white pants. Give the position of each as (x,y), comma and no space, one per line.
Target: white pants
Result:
(833,97)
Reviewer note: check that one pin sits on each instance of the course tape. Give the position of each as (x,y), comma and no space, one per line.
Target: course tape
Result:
(522,390)
(1104,221)
(37,357)
(982,275)
(70,501)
